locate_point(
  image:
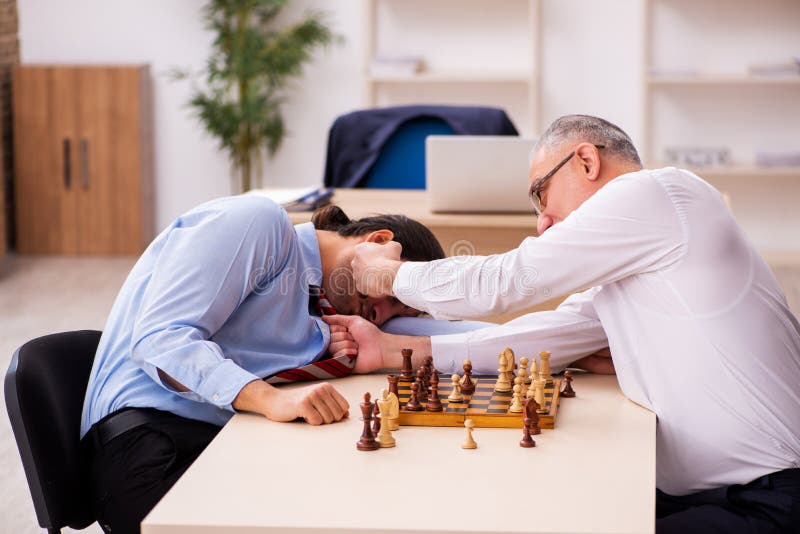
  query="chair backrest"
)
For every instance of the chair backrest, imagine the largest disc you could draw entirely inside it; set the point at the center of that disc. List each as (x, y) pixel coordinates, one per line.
(44, 390)
(401, 162)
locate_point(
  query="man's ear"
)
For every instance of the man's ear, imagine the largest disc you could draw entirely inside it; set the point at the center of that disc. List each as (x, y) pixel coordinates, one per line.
(379, 236)
(589, 159)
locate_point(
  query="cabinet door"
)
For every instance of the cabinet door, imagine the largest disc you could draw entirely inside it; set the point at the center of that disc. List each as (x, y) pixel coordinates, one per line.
(45, 127)
(110, 161)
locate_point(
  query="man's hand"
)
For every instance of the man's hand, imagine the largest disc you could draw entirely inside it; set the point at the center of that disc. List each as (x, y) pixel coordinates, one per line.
(599, 363)
(342, 342)
(367, 338)
(375, 267)
(318, 403)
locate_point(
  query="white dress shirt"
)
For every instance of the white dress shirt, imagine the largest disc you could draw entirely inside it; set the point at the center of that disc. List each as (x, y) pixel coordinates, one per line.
(698, 327)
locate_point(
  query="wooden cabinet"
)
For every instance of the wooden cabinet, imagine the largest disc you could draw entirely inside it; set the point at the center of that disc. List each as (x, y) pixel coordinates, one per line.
(83, 159)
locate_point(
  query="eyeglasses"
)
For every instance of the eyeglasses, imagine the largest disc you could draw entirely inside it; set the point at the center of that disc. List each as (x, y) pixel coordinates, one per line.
(538, 185)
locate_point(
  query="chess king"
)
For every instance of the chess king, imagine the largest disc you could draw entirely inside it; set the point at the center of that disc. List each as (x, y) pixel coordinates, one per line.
(229, 294)
(691, 314)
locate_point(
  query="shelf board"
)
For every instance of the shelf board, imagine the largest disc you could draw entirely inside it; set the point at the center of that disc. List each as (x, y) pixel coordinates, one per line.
(454, 77)
(721, 79)
(737, 170)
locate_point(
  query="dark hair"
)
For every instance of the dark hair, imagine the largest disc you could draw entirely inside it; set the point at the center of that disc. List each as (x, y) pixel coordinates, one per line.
(419, 243)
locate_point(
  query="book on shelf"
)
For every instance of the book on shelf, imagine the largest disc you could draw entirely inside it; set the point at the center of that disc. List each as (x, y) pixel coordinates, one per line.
(782, 68)
(778, 158)
(395, 65)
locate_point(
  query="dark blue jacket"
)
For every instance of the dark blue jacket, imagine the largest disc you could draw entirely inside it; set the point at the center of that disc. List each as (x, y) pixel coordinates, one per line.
(356, 139)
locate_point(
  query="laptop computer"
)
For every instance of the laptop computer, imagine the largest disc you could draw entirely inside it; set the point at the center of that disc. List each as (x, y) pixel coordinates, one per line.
(467, 173)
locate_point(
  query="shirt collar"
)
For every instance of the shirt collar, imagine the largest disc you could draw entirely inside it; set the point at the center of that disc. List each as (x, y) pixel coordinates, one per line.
(309, 253)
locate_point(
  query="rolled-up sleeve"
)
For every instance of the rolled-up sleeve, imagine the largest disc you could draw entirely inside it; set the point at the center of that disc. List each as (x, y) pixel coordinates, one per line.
(210, 262)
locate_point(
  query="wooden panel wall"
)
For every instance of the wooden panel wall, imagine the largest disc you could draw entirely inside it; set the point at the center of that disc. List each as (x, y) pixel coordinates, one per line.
(9, 56)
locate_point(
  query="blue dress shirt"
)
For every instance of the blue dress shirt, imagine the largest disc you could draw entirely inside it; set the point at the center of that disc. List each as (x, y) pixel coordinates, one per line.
(218, 299)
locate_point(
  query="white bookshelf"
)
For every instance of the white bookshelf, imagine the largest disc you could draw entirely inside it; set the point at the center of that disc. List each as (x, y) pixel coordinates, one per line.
(475, 52)
(698, 92)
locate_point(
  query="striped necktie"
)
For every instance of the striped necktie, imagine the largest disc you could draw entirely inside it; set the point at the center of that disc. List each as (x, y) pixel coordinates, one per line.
(322, 369)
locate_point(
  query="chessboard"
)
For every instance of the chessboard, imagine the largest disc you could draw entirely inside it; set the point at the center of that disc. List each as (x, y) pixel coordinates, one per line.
(486, 407)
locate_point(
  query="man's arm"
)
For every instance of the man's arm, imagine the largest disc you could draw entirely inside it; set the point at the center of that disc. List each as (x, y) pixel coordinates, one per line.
(208, 265)
(572, 333)
(628, 227)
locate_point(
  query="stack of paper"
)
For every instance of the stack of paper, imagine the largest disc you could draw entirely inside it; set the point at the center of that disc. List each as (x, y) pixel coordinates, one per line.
(297, 198)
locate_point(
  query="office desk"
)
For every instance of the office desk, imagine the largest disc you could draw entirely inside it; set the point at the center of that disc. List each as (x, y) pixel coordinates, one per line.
(594, 473)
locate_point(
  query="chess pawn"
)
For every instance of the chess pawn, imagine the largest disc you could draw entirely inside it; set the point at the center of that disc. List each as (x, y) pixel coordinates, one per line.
(538, 395)
(545, 372)
(467, 385)
(531, 388)
(502, 385)
(455, 395)
(469, 443)
(523, 370)
(385, 438)
(527, 440)
(393, 416)
(413, 404)
(367, 441)
(568, 392)
(516, 404)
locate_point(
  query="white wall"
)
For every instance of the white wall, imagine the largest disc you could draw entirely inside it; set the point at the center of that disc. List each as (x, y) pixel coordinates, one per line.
(591, 62)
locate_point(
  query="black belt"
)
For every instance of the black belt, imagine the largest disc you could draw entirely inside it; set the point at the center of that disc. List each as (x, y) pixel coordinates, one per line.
(119, 422)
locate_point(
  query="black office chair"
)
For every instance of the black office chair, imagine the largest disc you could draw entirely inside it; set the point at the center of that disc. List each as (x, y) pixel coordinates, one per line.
(44, 388)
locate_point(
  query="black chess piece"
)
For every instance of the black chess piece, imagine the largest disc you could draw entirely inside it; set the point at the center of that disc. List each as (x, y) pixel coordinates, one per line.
(527, 440)
(434, 403)
(413, 404)
(367, 441)
(467, 385)
(407, 371)
(568, 392)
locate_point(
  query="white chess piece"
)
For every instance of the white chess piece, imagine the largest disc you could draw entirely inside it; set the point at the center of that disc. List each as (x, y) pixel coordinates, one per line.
(469, 443)
(455, 394)
(385, 437)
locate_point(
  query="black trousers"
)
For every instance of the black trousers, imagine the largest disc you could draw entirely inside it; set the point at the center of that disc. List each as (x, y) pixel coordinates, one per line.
(767, 505)
(128, 475)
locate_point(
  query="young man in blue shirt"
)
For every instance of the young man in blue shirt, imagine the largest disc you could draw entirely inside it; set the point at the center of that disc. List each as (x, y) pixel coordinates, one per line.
(222, 299)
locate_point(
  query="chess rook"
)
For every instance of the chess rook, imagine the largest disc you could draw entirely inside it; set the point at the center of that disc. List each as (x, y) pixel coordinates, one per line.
(407, 371)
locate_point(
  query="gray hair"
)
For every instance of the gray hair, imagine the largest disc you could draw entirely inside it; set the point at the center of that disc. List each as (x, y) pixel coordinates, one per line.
(588, 129)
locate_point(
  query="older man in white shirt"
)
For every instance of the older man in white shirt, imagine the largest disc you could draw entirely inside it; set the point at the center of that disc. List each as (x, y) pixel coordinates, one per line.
(698, 327)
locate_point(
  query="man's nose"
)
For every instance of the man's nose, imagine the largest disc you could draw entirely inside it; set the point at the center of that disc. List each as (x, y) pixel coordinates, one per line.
(543, 223)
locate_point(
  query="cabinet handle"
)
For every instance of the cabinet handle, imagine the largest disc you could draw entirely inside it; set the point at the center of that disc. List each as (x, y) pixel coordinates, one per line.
(85, 163)
(66, 165)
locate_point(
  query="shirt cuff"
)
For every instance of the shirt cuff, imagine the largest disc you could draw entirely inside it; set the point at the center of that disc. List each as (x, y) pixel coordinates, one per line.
(224, 383)
(443, 349)
(406, 284)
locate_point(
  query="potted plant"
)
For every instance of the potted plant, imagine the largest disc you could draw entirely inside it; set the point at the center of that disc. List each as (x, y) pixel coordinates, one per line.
(246, 76)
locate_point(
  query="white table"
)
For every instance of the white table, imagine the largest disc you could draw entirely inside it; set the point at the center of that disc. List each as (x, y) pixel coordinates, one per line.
(594, 473)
